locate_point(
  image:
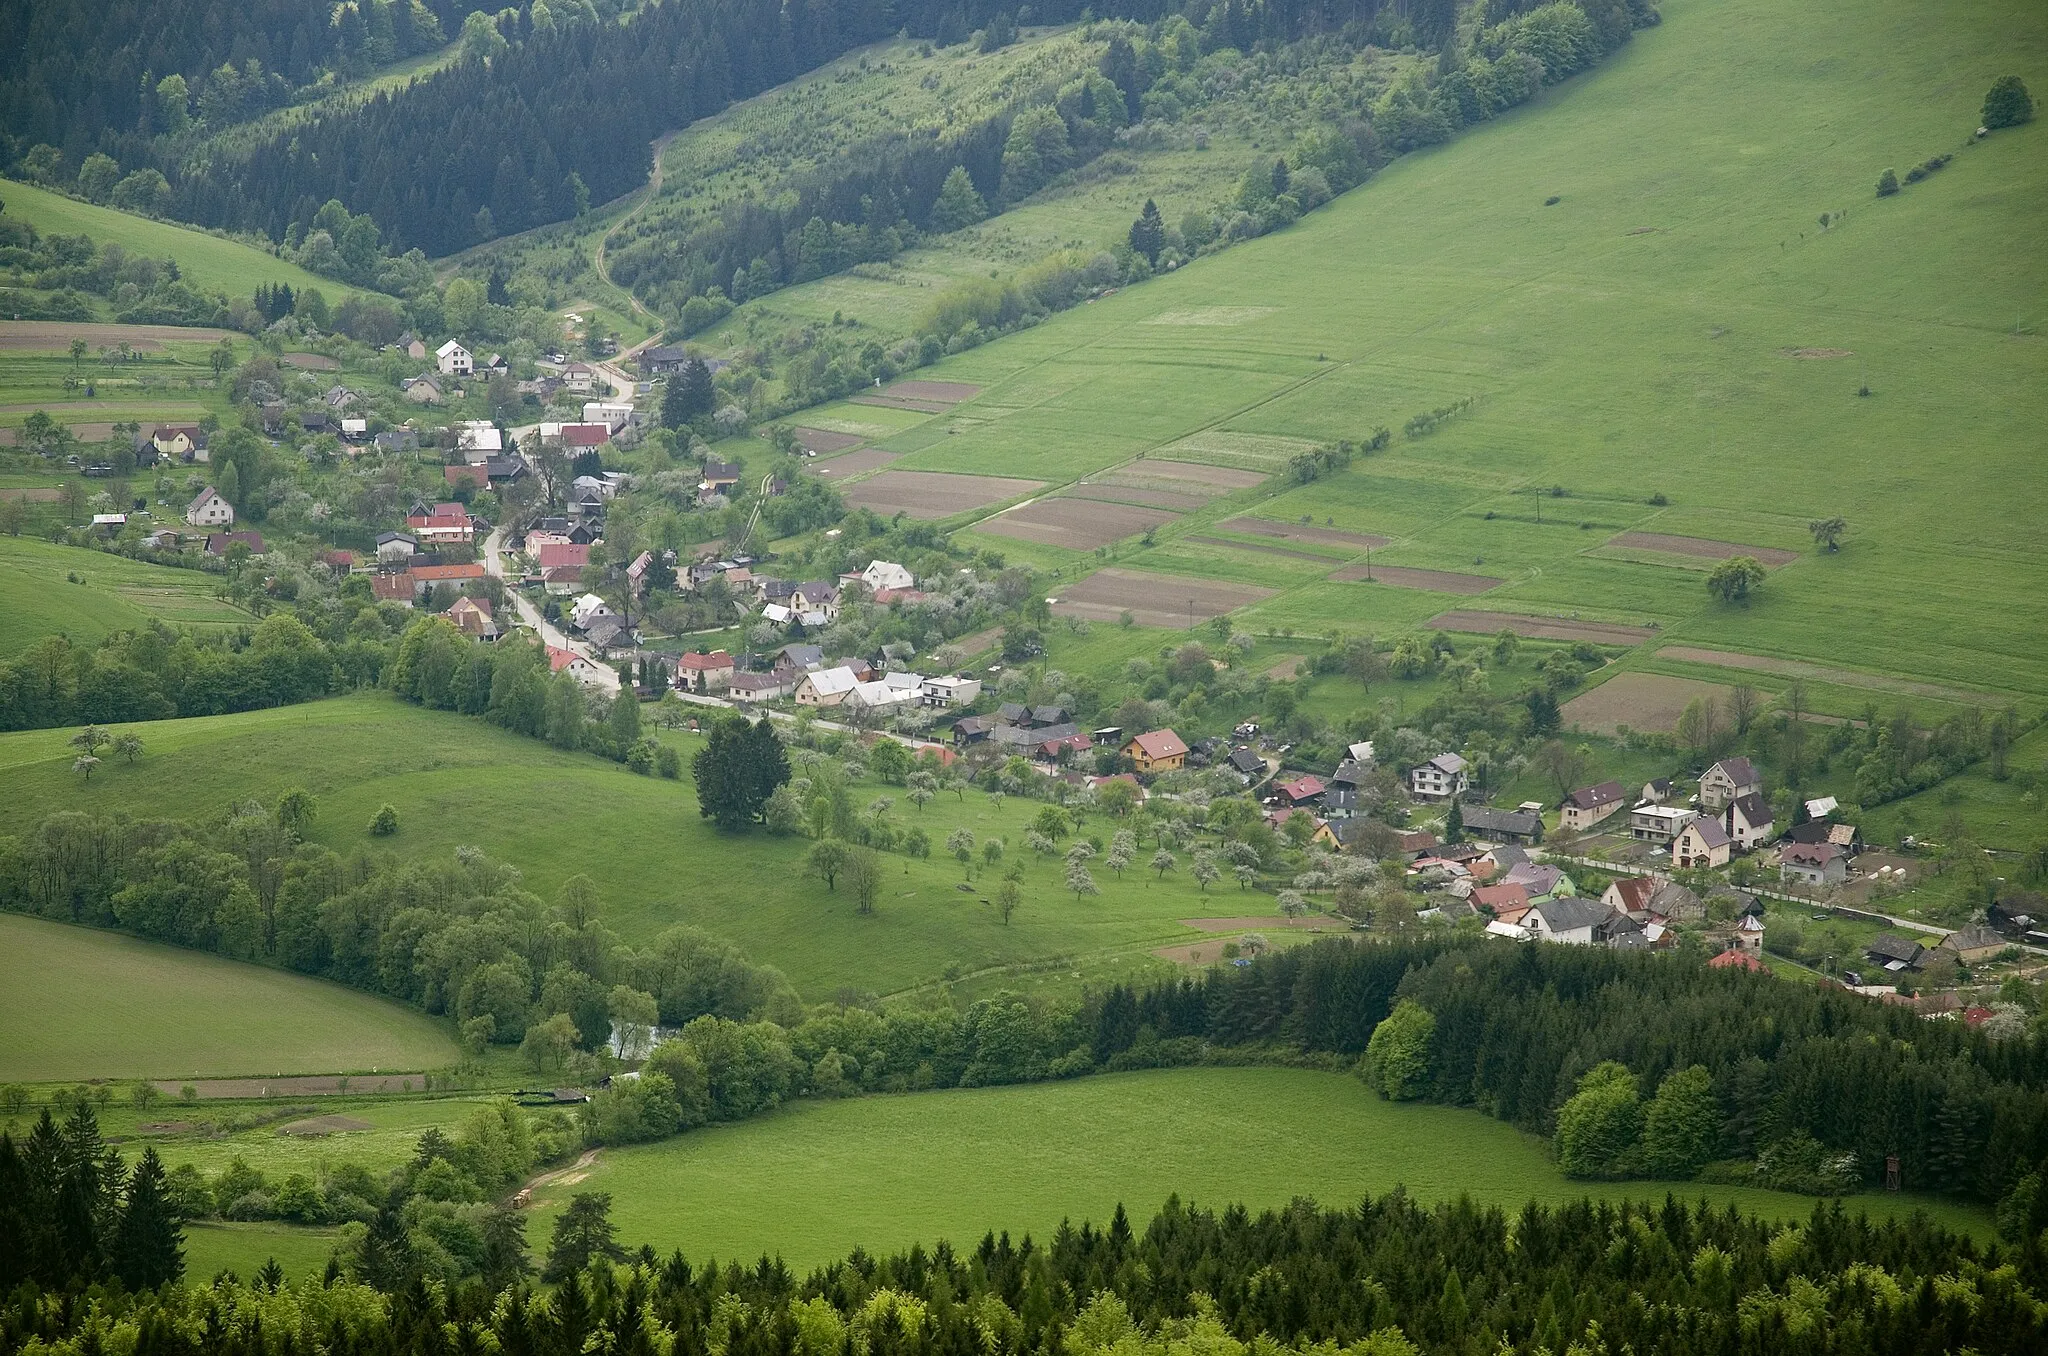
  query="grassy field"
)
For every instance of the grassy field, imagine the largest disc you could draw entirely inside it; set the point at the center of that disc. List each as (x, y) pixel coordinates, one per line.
(1662, 331)
(78, 1003)
(813, 1181)
(37, 599)
(206, 261)
(457, 781)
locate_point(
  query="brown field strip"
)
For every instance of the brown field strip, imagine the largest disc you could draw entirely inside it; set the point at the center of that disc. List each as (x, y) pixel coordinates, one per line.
(901, 403)
(1435, 581)
(1077, 524)
(1702, 547)
(941, 392)
(56, 335)
(854, 463)
(1128, 494)
(933, 494)
(1822, 673)
(1225, 477)
(1166, 600)
(1651, 702)
(1321, 536)
(1539, 628)
(824, 442)
(311, 362)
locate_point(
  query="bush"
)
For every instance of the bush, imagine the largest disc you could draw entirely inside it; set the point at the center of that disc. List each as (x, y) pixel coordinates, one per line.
(385, 822)
(2007, 104)
(1396, 1060)
(1887, 183)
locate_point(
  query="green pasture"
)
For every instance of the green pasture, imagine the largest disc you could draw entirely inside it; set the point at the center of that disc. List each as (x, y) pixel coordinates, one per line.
(214, 1246)
(1663, 330)
(118, 594)
(816, 1179)
(391, 1128)
(459, 782)
(81, 1003)
(208, 262)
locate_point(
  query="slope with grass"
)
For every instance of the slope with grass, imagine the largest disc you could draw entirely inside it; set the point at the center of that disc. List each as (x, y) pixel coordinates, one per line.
(814, 1180)
(79, 1003)
(1660, 331)
(459, 782)
(209, 262)
(48, 590)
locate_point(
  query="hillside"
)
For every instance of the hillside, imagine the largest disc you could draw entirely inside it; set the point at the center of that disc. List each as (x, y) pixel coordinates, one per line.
(208, 262)
(78, 1003)
(1674, 346)
(61, 590)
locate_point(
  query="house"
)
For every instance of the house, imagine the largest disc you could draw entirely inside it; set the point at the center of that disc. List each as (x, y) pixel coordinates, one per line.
(500, 469)
(442, 525)
(217, 543)
(1972, 944)
(392, 587)
(609, 633)
(1156, 751)
(1655, 791)
(825, 687)
(583, 670)
(1321, 834)
(1565, 920)
(1702, 842)
(1748, 821)
(588, 609)
(425, 577)
(395, 546)
(973, 730)
(1630, 895)
(1844, 836)
(314, 421)
(579, 377)
(563, 555)
(1589, 805)
(1819, 865)
(355, 430)
(891, 692)
(422, 390)
(704, 672)
(886, 574)
(949, 690)
(178, 441)
(409, 344)
(1738, 960)
(795, 660)
(479, 440)
(1894, 953)
(454, 360)
(397, 440)
(1441, 778)
(1503, 826)
(1413, 843)
(1300, 792)
(818, 597)
(1360, 753)
(1727, 780)
(1247, 764)
(665, 360)
(210, 509)
(757, 687)
(1680, 905)
(636, 573)
(575, 438)
(472, 476)
(472, 617)
(719, 477)
(1541, 880)
(338, 398)
(1659, 824)
(613, 414)
(1498, 899)
(1747, 934)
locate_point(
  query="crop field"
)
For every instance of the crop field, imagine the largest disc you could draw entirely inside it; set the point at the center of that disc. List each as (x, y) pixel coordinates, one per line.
(39, 598)
(1640, 360)
(1650, 702)
(818, 1178)
(459, 782)
(208, 262)
(928, 494)
(1153, 599)
(1076, 524)
(80, 1003)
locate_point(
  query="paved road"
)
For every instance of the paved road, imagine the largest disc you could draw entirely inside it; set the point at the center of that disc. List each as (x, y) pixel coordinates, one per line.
(494, 563)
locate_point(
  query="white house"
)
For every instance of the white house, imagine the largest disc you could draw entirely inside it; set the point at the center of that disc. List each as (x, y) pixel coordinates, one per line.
(579, 377)
(480, 440)
(950, 690)
(1589, 805)
(588, 609)
(1441, 778)
(1565, 919)
(886, 574)
(1748, 820)
(1815, 864)
(1659, 824)
(826, 687)
(888, 693)
(454, 360)
(1727, 781)
(1703, 842)
(613, 414)
(396, 545)
(210, 509)
(576, 666)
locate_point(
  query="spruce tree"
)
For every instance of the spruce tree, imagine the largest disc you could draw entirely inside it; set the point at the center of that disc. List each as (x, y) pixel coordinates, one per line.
(15, 1220)
(149, 1244)
(1148, 233)
(698, 396)
(583, 1231)
(1454, 823)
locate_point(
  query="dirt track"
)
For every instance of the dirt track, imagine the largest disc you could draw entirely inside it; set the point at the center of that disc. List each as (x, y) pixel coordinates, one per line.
(1540, 628)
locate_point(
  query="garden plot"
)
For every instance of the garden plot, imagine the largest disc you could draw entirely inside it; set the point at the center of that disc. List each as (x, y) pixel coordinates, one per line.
(1167, 600)
(854, 463)
(1650, 702)
(823, 442)
(933, 494)
(1218, 479)
(1319, 536)
(1538, 628)
(1077, 524)
(1701, 547)
(1263, 452)
(1127, 494)
(1265, 547)
(1406, 577)
(55, 336)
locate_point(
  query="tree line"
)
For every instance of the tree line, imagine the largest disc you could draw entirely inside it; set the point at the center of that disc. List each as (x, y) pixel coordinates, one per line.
(1388, 1276)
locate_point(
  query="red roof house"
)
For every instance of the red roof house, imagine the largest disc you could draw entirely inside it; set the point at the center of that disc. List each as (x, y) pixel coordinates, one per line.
(1737, 960)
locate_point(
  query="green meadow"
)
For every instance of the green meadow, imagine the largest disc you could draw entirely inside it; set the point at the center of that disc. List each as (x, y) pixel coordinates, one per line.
(209, 262)
(48, 590)
(459, 782)
(1677, 345)
(82, 1003)
(816, 1179)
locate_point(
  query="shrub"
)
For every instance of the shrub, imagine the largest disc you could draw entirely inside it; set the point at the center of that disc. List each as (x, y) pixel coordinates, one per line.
(385, 822)
(1887, 183)
(1396, 1060)
(2007, 104)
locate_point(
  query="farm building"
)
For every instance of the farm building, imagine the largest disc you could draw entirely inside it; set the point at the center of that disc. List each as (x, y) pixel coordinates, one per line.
(1972, 944)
